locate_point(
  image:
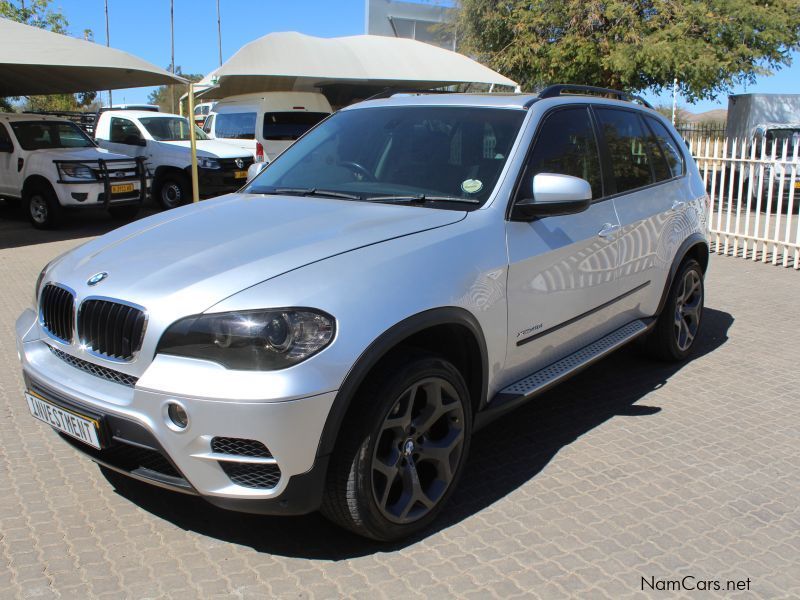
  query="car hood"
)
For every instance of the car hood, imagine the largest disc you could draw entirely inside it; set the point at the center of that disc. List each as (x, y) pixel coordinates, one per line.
(80, 153)
(209, 148)
(186, 260)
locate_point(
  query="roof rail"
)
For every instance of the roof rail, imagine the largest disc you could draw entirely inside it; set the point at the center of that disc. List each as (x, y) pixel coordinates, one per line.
(561, 89)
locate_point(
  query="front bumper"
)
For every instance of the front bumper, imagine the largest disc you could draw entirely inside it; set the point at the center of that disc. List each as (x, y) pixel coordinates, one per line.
(216, 182)
(92, 195)
(141, 442)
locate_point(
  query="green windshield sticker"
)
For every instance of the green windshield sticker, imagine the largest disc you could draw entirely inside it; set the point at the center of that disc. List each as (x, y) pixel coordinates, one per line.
(472, 186)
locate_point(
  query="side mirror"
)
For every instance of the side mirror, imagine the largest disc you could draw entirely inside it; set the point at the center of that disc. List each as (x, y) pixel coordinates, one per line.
(553, 194)
(6, 146)
(255, 169)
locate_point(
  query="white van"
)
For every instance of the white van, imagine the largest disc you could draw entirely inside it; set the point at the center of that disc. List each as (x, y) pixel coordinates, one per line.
(266, 123)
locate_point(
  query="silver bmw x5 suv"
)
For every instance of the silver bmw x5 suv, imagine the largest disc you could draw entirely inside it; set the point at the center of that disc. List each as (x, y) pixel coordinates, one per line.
(331, 336)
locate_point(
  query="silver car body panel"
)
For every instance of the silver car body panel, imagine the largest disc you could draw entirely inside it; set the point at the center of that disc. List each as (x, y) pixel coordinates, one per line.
(370, 266)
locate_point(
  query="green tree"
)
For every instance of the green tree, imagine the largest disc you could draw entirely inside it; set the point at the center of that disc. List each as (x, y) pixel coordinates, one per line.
(38, 13)
(167, 97)
(708, 45)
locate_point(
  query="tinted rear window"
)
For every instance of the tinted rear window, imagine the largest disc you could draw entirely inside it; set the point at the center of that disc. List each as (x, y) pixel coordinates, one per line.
(238, 126)
(626, 143)
(289, 125)
(668, 145)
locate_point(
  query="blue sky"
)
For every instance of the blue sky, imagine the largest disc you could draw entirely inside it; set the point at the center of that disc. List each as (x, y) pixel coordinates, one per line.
(141, 27)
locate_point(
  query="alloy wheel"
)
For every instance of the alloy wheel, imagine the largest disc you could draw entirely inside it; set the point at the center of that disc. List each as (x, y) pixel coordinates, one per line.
(418, 450)
(38, 208)
(688, 309)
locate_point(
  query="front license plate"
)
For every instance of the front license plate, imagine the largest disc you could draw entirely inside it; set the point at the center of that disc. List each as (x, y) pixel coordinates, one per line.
(73, 424)
(797, 185)
(122, 188)
(240, 174)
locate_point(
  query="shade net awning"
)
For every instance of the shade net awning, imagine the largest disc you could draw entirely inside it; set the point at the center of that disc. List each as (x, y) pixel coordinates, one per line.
(294, 61)
(34, 61)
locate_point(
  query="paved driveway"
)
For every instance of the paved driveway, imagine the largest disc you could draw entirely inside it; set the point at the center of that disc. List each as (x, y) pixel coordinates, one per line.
(632, 470)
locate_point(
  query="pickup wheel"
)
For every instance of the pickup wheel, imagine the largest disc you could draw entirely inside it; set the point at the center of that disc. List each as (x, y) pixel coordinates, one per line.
(124, 213)
(678, 325)
(172, 189)
(401, 453)
(42, 206)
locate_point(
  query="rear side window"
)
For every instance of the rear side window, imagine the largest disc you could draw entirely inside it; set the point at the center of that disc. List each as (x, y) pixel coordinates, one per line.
(668, 146)
(289, 125)
(237, 126)
(626, 143)
(566, 145)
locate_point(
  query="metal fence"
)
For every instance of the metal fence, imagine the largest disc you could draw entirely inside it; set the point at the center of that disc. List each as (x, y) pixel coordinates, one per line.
(701, 130)
(754, 192)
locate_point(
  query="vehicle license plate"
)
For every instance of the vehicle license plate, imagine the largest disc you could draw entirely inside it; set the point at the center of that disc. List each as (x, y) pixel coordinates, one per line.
(122, 188)
(797, 185)
(73, 424)
(240, 174)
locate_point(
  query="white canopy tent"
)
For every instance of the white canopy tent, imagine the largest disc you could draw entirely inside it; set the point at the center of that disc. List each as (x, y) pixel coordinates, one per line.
(294, 61)
(34, 61)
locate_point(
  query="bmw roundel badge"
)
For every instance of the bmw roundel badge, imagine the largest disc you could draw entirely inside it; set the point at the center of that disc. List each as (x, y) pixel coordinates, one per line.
(97, 278)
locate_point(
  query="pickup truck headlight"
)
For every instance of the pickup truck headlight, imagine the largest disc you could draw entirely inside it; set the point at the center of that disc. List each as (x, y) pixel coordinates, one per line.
(208, 163)
(253, 340)
(76, 171)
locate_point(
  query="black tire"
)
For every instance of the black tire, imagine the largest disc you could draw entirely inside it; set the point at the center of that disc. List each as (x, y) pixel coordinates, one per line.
(172, 190)
(676, 330)
(41, 206)
(428, 460)
(124, 213)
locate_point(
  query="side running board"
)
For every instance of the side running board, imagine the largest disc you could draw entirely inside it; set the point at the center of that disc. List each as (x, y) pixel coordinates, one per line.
(542, 380)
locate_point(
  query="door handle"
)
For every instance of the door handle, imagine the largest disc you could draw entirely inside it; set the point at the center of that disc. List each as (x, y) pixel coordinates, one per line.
(608, 230)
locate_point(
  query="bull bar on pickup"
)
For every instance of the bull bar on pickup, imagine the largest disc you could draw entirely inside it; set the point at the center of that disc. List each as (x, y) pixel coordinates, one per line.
(102, 174)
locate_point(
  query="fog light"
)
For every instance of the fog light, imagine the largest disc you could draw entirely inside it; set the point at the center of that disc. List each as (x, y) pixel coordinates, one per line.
(80, 196)
(178, 415)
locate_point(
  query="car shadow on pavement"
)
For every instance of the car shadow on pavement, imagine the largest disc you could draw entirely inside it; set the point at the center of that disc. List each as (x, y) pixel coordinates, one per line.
(16, 230)
(503, 457)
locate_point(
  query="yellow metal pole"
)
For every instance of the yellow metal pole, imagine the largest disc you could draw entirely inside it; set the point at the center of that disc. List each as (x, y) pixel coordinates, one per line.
(193, 142)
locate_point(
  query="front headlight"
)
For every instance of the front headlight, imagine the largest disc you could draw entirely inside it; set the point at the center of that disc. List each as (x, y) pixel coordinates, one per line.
(253, 340)
(207, 163)
(76, 171)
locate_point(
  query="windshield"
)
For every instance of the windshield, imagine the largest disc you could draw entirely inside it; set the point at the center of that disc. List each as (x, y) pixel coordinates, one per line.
(455, 153)
(171, 129)
(40, 135)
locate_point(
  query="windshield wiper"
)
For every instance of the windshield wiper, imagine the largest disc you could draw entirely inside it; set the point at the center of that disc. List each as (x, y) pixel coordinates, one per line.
(315, 192)
(422, 198)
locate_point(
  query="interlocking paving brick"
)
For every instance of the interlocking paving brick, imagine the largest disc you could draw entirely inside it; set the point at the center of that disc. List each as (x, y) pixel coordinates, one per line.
(633, 469)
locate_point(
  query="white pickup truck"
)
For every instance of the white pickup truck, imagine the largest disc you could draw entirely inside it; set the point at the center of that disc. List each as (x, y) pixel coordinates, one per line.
(50, 165)
(162, 140)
